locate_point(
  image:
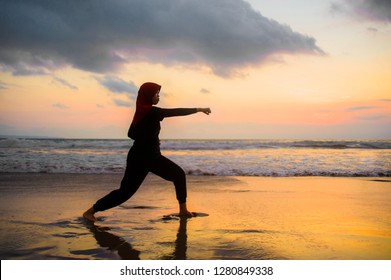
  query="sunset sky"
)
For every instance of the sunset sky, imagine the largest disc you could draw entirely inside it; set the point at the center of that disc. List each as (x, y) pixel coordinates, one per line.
(305, 69)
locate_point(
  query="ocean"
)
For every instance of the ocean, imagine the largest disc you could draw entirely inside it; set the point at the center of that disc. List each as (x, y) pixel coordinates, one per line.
(275, 158)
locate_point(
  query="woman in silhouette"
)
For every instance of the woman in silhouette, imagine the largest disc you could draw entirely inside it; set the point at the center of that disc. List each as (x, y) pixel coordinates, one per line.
(145, 156)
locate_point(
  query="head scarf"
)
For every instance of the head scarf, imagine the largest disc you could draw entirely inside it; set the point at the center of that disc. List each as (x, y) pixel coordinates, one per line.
(145, 100)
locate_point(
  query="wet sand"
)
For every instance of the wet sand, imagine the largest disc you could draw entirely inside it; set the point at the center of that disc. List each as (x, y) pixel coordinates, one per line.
(300, 218)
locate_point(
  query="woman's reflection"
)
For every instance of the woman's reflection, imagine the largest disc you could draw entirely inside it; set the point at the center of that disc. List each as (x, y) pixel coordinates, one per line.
(180, 242)
(113, 242)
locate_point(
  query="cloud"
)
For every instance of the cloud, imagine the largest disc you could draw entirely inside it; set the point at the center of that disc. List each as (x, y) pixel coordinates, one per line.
(204, 90)
(101, 36)
(21, 68)
(371, 10)
(122, 103)
(372, 117)
(361, 108)
(60, 106)
(372, 30)
(118, 85)
(64, 83)
(3, 85)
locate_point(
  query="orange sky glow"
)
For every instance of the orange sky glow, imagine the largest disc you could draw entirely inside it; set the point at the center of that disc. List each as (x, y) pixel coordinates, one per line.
(333, 81)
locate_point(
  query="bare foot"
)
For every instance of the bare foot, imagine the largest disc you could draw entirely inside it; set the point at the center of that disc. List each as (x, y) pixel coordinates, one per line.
(89, 215)
(183, 212)
(186, 214)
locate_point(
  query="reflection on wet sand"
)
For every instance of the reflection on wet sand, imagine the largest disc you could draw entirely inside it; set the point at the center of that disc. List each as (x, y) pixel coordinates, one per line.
(113, 242)
(180, 242)
(110, 241)
(251, 218)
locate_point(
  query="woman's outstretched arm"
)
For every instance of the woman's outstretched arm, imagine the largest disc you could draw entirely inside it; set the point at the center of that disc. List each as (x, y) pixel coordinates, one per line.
(166, 113)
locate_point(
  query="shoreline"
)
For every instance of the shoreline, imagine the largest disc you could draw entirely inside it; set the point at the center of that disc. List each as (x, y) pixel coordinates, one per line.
(240, 217)
(192, 175)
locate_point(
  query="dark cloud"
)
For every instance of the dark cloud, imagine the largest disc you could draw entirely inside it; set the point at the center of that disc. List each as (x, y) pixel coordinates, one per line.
(100, 36)
(372, 10)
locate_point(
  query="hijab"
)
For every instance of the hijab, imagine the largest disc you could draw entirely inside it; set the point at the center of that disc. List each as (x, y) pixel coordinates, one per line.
(144, 100)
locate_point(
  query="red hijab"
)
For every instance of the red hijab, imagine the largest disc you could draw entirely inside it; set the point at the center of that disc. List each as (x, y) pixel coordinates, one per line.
(144, 100)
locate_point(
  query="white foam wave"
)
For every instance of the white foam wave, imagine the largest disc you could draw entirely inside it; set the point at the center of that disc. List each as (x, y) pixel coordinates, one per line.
(204, 157)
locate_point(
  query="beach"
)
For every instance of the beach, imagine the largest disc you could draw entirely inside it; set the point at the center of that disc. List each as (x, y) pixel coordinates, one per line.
(237, 217)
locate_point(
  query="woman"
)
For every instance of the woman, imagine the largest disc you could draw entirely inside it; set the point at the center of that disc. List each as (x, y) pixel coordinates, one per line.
(145, 156)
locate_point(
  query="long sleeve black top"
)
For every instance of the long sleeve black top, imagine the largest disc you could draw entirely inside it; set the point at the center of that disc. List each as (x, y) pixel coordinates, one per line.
(146, 133)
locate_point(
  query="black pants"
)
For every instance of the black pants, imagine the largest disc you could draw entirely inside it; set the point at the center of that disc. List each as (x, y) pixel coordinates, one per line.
(138, 165)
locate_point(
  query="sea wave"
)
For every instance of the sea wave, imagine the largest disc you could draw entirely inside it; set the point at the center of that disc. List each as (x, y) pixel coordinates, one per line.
(96, 144)
(197, 172)
(273, 144)
(277, 158)
(303, 173)
(194, 144)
